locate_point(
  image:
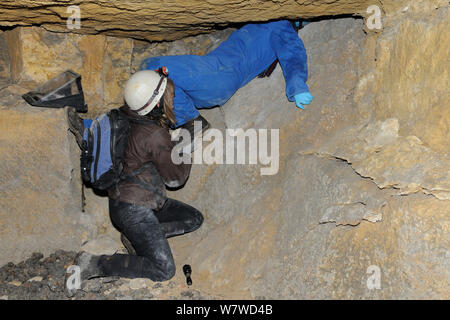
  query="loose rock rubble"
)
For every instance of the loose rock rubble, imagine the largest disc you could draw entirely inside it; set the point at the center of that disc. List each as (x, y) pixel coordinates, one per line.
(42, 278)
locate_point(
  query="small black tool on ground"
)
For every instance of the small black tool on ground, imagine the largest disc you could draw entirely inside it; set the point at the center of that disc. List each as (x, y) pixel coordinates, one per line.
(187, 272)
(59, 92)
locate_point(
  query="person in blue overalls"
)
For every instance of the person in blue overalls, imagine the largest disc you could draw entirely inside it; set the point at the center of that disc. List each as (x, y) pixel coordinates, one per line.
(210, 80)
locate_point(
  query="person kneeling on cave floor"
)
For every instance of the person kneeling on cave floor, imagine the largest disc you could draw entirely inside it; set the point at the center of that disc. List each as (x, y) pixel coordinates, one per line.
(139, 207)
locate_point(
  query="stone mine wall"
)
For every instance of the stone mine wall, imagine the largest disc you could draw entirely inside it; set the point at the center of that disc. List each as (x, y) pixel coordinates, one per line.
(105, 63)
(159, 20)
(359, 208)
(40, 180)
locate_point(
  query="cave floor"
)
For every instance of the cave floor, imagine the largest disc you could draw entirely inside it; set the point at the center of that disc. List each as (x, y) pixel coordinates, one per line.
(42, 278)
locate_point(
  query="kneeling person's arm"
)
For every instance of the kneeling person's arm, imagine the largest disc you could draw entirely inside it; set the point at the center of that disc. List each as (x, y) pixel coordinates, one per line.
(173, 175)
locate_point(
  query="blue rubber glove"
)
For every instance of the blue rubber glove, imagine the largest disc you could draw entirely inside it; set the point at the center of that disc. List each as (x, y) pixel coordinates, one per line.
(302, 99)
(304, 23)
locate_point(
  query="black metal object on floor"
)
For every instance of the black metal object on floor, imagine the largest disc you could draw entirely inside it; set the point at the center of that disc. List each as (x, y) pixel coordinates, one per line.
(187, 272)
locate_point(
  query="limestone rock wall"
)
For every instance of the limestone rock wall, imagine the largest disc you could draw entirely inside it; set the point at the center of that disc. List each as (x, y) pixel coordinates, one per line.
(36, 150)
(40, 190)
(364, 173)
(104, 62)
(169, 20)
(165, 20)
(363, 178)
(5, 70)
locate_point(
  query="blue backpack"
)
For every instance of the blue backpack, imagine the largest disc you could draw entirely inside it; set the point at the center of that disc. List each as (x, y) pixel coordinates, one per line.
(104, 143)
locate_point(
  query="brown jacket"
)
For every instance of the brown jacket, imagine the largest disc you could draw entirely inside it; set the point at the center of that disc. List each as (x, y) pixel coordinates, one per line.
(149, 143)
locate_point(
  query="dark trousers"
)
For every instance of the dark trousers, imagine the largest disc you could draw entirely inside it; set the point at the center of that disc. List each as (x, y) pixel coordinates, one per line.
(148, 230)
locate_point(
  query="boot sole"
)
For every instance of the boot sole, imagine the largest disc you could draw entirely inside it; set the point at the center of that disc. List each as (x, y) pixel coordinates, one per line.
(72, 118)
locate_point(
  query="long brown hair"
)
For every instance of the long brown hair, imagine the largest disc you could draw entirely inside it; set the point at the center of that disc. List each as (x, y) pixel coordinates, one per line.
(168, 101)
(165, 117)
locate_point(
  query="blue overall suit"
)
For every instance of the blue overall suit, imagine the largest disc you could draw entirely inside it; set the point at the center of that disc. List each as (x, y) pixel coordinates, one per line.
(210, 80)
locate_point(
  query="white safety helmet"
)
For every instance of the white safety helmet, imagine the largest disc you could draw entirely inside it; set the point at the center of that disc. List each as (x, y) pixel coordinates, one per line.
(144, 89)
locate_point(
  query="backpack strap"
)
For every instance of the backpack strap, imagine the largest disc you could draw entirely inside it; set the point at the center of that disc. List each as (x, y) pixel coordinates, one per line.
(137, 171)
(141, 121)
(97, 155)
(136, 119)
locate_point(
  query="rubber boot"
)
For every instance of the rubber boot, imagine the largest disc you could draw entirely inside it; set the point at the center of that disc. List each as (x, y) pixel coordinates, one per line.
(76, 125)
(88, 265)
